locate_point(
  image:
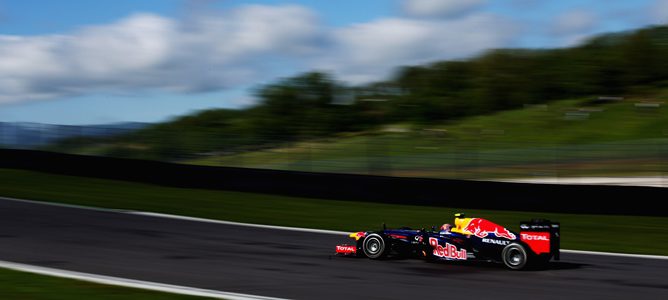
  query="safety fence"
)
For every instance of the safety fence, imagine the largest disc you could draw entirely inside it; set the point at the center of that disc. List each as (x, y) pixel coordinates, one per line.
(430, 153)
(465, 194)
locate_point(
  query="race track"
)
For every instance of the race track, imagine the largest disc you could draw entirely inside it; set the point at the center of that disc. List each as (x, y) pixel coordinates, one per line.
(290, 264)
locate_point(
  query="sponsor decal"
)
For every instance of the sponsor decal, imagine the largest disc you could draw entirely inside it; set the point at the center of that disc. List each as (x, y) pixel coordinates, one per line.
(482, 228)
(497, 242)
(535, 237)
(539, 242)
(357, 235)
(346, 249)
(398, 236)
(447, 251)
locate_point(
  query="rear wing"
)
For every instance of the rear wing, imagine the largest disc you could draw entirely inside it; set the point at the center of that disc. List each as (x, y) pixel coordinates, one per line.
(542, 236)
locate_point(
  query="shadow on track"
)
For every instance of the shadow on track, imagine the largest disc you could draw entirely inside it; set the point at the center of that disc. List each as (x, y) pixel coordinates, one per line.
(472, 265)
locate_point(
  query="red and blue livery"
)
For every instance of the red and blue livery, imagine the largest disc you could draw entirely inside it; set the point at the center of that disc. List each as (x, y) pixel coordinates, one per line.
(469, 239)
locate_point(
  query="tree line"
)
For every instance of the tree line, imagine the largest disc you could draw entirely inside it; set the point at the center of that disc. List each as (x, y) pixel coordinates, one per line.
(315, 104)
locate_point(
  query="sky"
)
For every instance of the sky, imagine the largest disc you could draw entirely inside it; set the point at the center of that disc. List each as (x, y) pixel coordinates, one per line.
(109, 61)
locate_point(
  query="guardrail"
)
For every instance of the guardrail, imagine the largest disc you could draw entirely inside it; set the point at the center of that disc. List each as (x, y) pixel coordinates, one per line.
(465, 194)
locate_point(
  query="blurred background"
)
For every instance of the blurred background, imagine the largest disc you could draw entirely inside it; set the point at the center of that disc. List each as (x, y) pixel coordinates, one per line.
(505, 90)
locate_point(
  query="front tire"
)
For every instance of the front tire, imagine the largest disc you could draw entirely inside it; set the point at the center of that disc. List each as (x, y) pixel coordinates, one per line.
(514, 256)
(374, 246)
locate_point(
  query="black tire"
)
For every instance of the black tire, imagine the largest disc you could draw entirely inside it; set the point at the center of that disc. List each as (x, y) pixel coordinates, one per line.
(514, 256)
(374, 246)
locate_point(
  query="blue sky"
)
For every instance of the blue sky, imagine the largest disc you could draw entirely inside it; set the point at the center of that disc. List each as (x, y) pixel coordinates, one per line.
(103, 61)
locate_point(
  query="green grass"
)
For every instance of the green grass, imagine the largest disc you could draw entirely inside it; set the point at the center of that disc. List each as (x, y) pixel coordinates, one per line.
(631, 234)
(28, 286)
(545, 140)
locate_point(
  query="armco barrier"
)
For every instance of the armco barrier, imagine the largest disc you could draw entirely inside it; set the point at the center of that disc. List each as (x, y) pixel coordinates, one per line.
(590, 199)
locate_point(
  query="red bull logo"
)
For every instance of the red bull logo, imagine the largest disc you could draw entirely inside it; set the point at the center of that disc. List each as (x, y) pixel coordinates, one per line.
(482, 228)
(357, 235)
(447, 251)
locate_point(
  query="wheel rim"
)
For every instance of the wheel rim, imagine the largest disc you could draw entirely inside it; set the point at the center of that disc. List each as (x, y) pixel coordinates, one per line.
(515, 257)
(373, 246)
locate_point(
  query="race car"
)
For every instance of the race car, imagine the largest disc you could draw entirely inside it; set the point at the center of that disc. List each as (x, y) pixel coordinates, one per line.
(469, 239)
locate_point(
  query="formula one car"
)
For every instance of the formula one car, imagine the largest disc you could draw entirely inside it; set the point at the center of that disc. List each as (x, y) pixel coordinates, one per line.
(469, 239)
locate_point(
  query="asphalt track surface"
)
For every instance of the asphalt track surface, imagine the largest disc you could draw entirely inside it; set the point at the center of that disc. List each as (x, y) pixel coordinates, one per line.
(290, 264)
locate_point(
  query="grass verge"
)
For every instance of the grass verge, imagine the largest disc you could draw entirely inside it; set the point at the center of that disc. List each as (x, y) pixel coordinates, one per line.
(543, 140)
(629, 234)
(28, 286)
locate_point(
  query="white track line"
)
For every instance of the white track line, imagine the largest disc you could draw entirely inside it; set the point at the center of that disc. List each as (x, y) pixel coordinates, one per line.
(64, 205)
(615, 254)
(310, 230)
(131, 283)
(202, 220)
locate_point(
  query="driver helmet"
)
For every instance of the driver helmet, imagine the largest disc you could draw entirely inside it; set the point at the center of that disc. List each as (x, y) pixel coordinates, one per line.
(446, 227)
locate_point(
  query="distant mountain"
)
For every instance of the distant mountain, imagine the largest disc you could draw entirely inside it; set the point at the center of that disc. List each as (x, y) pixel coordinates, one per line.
(30, 135)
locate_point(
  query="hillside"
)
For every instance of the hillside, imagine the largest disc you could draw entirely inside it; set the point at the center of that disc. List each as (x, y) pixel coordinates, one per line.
(564, 138)
(525, 108)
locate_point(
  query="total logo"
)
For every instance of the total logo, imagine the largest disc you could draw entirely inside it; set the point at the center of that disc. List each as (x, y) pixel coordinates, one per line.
(531, 237)
(346, 249)
(447, 251)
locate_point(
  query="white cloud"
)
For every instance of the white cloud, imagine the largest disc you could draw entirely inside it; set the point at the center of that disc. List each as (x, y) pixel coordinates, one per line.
(573, 27)
(146, 51)
(213, 50)
(660, 11)
(574, 22)
(440, 8)
(369, 51)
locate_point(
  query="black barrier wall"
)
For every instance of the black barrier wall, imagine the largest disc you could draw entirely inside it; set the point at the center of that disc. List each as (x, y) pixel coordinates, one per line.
(624, 200)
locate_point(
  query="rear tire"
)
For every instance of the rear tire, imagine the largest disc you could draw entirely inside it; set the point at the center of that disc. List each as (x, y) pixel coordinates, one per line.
(514, 256)
(374, 246)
